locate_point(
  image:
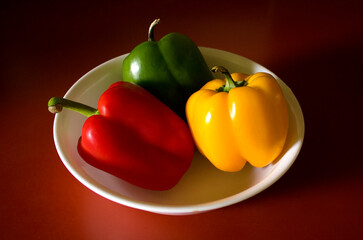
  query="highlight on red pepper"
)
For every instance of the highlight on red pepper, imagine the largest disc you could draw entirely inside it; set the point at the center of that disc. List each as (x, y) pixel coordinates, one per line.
(134, 136)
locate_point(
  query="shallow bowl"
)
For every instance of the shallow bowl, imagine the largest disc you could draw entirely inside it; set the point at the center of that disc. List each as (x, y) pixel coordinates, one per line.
(203, 187)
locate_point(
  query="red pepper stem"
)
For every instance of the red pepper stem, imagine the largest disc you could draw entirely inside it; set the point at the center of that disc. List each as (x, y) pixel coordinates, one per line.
(56, 105)
(151, 30)
(230, 83)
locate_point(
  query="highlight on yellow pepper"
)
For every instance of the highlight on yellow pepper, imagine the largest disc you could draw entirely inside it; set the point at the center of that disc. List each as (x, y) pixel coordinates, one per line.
(240, 119)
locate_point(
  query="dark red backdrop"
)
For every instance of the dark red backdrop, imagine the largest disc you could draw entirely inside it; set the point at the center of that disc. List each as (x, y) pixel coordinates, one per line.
(314, 46)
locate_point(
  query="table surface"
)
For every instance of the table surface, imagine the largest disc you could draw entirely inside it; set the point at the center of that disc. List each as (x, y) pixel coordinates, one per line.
(315, 48)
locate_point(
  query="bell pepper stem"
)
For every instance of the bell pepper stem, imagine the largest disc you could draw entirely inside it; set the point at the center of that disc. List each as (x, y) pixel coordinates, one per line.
(151, 30)
(230, 83)
(56, 105)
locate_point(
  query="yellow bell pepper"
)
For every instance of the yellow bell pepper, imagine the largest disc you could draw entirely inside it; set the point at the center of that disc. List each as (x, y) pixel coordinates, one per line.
(243, 118)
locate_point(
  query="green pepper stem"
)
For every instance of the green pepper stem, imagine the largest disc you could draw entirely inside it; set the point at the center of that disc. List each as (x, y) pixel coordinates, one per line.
(229, 81)
(56, 105)
(151, 30)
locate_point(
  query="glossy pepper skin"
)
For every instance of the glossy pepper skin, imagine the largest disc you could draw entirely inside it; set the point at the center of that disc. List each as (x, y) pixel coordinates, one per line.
(171, 69)
(135, 137)
(246, 122)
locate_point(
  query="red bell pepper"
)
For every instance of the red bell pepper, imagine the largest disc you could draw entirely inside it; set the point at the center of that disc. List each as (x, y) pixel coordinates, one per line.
(133, 136)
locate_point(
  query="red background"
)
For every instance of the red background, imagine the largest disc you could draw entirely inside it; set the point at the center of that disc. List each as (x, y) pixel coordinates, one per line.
(315, 47)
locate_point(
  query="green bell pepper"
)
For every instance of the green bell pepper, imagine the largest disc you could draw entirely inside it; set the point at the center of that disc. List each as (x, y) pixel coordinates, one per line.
(171, 69)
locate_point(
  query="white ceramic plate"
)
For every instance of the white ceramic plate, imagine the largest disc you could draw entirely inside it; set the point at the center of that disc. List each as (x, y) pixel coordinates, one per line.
(203, 187)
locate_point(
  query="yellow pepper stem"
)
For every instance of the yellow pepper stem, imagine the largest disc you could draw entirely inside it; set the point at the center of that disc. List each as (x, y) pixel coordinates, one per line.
(230, 83)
